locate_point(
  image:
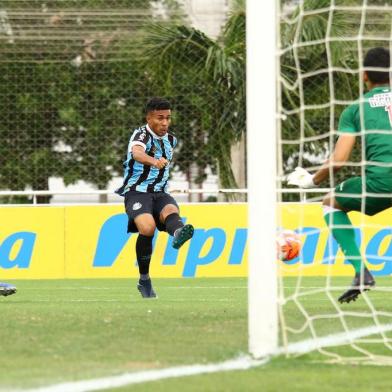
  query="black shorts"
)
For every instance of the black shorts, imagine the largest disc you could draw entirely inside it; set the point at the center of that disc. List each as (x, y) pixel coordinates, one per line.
(137, 203)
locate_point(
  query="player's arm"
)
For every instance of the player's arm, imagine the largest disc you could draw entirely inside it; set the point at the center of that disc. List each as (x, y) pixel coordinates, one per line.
(342, 151)
(139, 154)
(339, 157)
(348, 130)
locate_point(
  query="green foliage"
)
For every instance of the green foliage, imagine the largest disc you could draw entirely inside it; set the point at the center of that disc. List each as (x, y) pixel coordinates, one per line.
(211, 106)
(75, 4)
(73, 88)
(76, 83)
(96, 121)
(319, 77)
(28, 129)
(172, 53)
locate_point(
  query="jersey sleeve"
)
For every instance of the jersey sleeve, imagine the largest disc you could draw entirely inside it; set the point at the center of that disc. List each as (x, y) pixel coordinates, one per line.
(347, 121)
(139, 138)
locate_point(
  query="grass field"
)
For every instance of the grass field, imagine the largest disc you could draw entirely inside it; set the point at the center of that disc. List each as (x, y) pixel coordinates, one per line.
(56, 331)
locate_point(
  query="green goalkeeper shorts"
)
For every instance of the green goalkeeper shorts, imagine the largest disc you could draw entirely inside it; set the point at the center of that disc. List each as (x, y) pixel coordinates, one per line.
(349, 195)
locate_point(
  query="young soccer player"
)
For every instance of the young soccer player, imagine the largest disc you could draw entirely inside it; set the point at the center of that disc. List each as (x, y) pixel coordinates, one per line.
(371, 117)
(146, 175)
(7, 289)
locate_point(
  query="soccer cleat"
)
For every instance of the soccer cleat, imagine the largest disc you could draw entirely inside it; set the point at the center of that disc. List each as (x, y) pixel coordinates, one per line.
(182, 235)
(358, 286)
(7, 289)
(145, 288)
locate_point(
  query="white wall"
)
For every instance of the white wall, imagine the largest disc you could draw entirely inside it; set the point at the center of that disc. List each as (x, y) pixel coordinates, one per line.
(207, 15)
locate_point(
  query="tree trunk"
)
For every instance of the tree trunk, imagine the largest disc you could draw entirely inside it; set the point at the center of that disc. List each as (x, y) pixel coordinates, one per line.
(103, 198)
(193, 171)
(238, 159)
(189, 179)
(42, 184)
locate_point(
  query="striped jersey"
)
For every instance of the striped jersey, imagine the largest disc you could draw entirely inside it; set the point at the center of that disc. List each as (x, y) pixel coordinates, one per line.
(145, 178)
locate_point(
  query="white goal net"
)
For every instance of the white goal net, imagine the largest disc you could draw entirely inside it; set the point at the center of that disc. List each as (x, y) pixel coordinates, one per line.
(321, 46)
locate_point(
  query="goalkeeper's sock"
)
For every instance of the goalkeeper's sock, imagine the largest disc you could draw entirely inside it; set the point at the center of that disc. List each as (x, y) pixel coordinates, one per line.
(143, 253)
(345, 236)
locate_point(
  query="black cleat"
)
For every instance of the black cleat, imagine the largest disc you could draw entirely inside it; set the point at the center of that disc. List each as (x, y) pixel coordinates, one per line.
(7, 289)
(145, 288)
(182, 235)
(358, 285)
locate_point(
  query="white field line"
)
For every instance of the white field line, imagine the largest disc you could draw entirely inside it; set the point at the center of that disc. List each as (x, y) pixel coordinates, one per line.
(124, 300)
(339, 339)
(117, 288)
(242, 363)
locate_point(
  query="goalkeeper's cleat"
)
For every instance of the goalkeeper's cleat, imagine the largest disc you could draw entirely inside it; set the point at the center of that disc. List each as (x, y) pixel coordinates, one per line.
(358, 285)
(145, 288)
(182, 235)
(7, 289)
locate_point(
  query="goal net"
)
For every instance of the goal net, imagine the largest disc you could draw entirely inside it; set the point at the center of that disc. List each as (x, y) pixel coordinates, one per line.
(321, 45)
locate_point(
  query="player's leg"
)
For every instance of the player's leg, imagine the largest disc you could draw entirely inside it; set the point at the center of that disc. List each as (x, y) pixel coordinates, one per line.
(169, 215)
(342, 230)
(146, 227)
(139, 210)
(7, 289)
(348, 198)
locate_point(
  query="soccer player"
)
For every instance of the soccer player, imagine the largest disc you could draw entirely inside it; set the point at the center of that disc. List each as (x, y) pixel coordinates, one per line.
(147, 202)
(371, 118)
(7, 289)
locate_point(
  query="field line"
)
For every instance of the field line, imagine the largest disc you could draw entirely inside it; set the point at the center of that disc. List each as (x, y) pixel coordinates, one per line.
(334, 340)
(241, 363)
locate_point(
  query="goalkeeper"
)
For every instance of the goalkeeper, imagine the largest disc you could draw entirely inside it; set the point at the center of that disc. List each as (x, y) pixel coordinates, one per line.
(371, 117)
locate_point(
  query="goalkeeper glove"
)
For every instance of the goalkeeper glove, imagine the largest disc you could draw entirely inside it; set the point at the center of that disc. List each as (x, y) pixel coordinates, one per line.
(301, 178)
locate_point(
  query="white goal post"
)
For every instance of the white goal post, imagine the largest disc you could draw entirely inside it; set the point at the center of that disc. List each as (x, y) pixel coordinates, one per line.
(261, 168)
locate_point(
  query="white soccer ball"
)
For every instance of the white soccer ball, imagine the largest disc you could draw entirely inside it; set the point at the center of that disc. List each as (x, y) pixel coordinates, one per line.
(288, 245)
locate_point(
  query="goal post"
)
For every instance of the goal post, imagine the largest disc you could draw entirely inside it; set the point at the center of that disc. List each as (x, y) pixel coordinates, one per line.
(261, 168)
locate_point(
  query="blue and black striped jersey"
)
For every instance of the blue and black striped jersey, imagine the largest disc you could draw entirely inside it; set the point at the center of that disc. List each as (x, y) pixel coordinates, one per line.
(145, 178)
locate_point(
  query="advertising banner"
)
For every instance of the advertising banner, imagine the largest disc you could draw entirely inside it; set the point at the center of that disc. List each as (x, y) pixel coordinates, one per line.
(92, 242)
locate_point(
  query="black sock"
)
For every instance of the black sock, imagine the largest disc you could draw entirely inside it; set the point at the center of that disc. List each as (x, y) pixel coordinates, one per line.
(143, 253)
(173, 222)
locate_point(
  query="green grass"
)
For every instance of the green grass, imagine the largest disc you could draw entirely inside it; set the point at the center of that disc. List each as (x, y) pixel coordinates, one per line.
(65, 330)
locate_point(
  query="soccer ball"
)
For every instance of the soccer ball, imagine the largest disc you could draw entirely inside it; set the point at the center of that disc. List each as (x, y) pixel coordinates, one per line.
(288, 245)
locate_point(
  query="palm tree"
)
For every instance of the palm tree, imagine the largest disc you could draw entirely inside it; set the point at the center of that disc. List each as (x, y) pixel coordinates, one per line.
(306, 76)
(206, 80)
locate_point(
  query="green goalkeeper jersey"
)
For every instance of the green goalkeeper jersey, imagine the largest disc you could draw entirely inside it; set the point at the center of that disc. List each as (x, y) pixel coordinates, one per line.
(376, 124)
